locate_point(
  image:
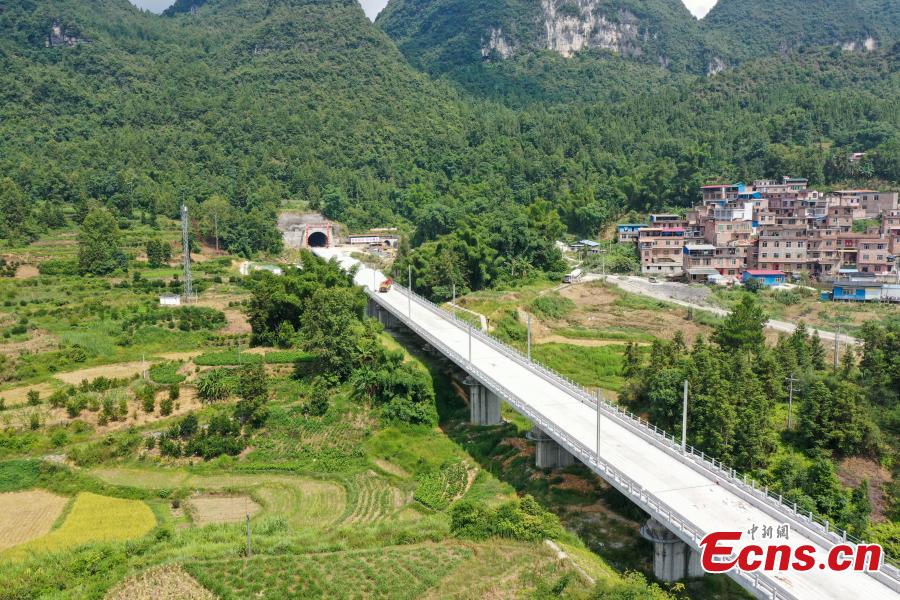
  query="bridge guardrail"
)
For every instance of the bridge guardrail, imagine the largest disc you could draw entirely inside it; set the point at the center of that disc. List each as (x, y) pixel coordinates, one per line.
(815, 526)
(676, 522)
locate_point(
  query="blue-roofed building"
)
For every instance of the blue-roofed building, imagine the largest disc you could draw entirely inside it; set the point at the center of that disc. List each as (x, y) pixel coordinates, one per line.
(766, 277)
(629, 232)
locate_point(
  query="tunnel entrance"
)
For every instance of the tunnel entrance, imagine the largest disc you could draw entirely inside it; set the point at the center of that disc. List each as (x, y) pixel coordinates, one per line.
(317, 239)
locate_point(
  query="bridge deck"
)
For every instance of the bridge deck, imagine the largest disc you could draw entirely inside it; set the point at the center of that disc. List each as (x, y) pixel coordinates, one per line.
(697, 496)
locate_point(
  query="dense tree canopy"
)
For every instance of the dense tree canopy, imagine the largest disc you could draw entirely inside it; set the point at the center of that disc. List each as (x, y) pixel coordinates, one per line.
(248, 104)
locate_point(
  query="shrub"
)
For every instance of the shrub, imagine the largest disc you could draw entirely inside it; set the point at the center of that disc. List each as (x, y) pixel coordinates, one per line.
(165, 407)
(59, 438)
(58, 399)
(317, 405)
(521, 519)
(34, 397)
(34, 420)
(147, 395)
(552, 306)
(58, 267)
(217, 384)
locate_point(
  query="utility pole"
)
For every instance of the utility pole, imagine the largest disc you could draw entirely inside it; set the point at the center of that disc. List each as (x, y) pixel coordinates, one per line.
(598, 426)
(837, 346)
(684, 418)
(186, 251)
(470, 342)
(790, 423)
(249, 546)
(453, 302)
(409, 293)
(529, 336)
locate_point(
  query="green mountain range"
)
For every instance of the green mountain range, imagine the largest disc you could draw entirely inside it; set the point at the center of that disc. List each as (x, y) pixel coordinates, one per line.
(441, 35)
(263, 102)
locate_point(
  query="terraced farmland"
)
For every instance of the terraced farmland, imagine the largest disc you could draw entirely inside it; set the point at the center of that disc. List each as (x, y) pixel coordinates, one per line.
(25, 516)
(207, 508)
(160, 583)
(93, 518)
(395, 572)
(371, 498)
(302, 501)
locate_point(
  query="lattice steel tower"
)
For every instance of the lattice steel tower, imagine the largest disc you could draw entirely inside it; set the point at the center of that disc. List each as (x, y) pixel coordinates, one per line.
(186, 250)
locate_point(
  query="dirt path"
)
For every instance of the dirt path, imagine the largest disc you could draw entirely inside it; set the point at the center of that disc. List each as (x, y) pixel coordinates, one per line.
(587, 343)
(675, 293)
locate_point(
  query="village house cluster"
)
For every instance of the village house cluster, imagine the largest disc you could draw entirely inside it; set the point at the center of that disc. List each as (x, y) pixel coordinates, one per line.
(774, 231)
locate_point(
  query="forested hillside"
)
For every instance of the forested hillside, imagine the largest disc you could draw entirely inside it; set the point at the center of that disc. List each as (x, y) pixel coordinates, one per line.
(753, 28)
(442, 36)
(247, 104)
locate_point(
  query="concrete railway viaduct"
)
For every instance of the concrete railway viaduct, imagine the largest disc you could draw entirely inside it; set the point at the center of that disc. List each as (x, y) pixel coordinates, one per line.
(686, 493)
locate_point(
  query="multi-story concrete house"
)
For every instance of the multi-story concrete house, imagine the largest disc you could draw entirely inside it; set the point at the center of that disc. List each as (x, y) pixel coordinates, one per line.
(871, 203)
(782, 246)
(773, 226)
(873, 254)
(628, 232)
(661, 250)
(822, 250)
(667, 221)
(731, 259)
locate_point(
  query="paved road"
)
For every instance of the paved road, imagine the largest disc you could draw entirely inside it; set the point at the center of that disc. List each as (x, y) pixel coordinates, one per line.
(696, 495)
(698, 299)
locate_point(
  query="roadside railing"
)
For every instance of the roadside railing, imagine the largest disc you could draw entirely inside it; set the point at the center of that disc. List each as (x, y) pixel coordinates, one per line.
(761, 585)
(816, 527)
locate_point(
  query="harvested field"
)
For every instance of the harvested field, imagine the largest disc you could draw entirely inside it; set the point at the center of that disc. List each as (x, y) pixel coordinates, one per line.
(303, 502)
(93, 518)
(19, 395)
(27, 272)
(206, 509)
(169, 582)
(114, 371)
(179, 355)
(25, 516)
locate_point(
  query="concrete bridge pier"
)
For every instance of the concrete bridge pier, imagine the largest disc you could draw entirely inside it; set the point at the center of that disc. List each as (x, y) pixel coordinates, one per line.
(547, 453)
(673, 560)
(375, 311)
(484, 405)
